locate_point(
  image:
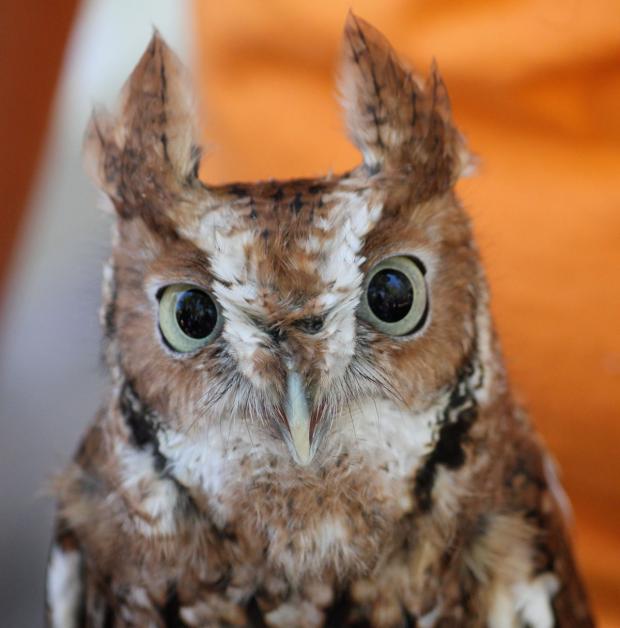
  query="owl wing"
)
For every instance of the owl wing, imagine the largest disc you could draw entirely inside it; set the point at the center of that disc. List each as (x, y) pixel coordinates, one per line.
(538, 494)
(570, 604)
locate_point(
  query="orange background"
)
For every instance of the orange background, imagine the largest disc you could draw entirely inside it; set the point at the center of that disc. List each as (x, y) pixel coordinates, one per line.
(31, 47)
(535, 85)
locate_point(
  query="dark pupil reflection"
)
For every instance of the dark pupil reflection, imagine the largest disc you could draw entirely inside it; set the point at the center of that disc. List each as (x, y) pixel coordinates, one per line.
(390, 295)
(196, 313)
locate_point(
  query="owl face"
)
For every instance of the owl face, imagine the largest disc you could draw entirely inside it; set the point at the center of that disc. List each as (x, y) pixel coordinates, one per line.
(282, 305)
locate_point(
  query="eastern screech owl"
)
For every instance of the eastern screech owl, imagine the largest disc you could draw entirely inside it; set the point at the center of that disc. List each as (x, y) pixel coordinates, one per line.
(308, 420)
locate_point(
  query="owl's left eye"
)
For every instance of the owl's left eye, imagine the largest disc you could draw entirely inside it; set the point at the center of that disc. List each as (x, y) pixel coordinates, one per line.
(395, 298)
(189, 317)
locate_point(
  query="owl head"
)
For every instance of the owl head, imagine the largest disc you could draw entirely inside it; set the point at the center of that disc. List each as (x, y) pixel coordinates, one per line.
(283, 303)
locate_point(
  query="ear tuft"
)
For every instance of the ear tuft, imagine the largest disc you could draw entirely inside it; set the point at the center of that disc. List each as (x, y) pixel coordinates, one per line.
(397, 122)
(102, 153)
(151, 143)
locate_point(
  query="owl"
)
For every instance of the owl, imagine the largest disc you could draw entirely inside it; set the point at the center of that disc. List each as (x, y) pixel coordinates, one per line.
(308, 421)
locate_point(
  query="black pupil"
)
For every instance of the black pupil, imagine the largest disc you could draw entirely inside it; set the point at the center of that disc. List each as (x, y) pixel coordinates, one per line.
(390, 295)
(196, 313)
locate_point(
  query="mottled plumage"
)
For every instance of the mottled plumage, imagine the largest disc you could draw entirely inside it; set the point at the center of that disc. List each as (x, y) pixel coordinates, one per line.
(286, 461)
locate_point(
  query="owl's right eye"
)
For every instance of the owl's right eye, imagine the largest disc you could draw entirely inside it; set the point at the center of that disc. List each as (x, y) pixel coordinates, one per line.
(189, 317)
(395, 298)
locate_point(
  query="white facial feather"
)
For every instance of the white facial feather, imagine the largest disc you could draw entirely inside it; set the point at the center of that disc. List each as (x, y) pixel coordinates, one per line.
(354, 215)
(227, 241)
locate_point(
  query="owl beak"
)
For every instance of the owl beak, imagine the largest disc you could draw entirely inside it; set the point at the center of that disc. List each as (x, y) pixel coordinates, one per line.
(298, 418)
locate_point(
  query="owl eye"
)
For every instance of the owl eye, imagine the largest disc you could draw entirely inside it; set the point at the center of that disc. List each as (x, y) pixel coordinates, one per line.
(189, 318)
(395, 297)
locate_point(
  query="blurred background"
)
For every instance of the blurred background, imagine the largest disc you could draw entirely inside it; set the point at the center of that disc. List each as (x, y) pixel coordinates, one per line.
(535, 86)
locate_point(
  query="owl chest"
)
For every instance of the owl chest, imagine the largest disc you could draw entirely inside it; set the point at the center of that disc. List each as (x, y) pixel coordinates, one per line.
(236, 526)
(245, 494)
